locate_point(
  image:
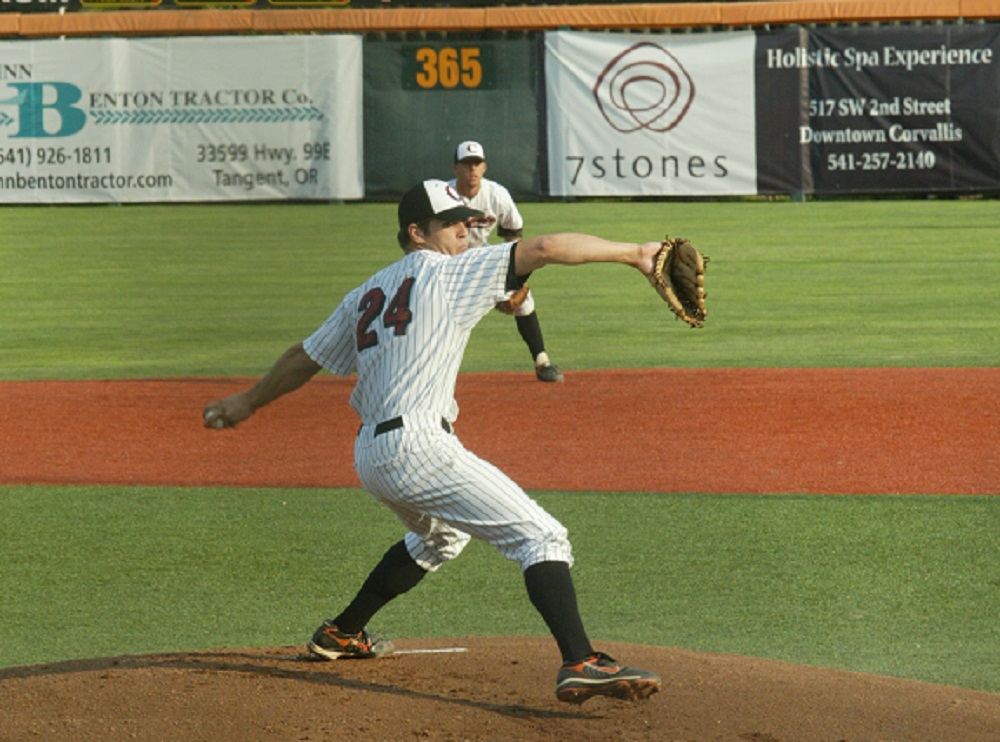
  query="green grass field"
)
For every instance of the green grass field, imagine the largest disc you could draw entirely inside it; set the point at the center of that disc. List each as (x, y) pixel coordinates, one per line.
(903, 586)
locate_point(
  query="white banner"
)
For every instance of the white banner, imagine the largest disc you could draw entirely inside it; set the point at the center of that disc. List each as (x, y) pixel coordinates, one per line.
(651, 114)
(181, 119)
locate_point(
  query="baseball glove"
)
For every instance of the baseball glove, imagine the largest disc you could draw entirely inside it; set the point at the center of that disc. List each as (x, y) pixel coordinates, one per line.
(515, 300)
(679, 278)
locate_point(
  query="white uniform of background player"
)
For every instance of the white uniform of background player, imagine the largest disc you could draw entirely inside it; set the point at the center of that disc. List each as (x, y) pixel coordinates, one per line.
(500, 213)
(404, 332)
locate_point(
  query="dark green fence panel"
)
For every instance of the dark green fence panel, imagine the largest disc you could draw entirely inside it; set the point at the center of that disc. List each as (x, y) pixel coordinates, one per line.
(422, 97)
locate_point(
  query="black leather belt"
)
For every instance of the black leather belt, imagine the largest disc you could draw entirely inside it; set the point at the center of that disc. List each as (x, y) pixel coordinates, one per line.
(397, 422)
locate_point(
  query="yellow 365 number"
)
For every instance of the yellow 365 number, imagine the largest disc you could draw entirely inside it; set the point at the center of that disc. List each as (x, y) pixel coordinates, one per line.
(450, 67)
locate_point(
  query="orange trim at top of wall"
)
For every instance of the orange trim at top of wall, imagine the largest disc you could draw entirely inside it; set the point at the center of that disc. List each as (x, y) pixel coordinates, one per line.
(529, 18)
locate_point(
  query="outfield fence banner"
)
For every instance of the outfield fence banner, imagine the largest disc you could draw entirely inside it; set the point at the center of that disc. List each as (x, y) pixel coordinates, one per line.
(798, 110)
(650, 114)
(873, 109)
(181, 119)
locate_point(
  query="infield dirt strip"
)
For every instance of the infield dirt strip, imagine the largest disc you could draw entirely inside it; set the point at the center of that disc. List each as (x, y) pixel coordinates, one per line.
(848, 431)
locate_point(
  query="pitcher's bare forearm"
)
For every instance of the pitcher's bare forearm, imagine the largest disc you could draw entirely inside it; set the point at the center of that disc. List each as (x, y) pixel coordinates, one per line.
(569, 248)
(293, 369)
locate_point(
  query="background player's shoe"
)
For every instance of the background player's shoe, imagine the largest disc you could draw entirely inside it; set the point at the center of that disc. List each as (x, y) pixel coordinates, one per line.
(329, 642)
(599, 675)
(548, 372)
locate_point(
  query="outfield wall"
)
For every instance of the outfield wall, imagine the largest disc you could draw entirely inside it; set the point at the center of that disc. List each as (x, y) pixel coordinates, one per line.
(102, 17)
(726, 111)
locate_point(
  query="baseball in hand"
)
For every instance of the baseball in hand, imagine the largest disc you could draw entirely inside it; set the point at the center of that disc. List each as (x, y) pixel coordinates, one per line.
(214, 419)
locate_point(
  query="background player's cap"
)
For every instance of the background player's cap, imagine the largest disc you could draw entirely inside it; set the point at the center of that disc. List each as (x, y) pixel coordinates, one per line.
(470, 151)
(433, 199)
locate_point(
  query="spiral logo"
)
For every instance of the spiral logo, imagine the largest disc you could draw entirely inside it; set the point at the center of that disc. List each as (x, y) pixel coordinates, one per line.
(644, 87)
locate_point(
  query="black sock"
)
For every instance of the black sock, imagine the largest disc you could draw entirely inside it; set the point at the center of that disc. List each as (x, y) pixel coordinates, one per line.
(551, 591)
(393, 575)
(531, 333)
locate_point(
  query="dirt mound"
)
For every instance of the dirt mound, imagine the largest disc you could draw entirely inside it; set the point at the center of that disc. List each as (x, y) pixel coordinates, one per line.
(496, 689)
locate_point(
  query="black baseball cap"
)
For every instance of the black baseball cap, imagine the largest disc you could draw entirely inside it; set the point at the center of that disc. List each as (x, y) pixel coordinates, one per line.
(433, 199)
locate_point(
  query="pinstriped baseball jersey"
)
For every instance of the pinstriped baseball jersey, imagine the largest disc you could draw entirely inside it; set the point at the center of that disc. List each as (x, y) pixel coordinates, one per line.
(498, 207)
(404, 331)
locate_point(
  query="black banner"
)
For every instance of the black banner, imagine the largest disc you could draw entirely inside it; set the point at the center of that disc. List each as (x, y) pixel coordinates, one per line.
(878, 109)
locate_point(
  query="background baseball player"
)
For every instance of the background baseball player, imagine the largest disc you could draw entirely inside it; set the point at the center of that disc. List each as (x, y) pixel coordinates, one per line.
(500, 211)
(404, 332)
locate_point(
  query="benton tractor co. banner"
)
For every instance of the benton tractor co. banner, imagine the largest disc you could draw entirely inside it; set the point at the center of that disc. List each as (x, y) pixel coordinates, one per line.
(180, 119)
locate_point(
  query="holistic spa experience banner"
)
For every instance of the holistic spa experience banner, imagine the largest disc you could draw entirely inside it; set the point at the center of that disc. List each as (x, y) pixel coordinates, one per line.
(181, 119)
(875, 109)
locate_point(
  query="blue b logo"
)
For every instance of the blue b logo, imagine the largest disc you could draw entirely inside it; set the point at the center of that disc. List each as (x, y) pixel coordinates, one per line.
(56, 117)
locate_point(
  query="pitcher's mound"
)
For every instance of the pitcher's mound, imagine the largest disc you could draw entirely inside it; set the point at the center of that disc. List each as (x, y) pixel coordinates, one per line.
(492, 688)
